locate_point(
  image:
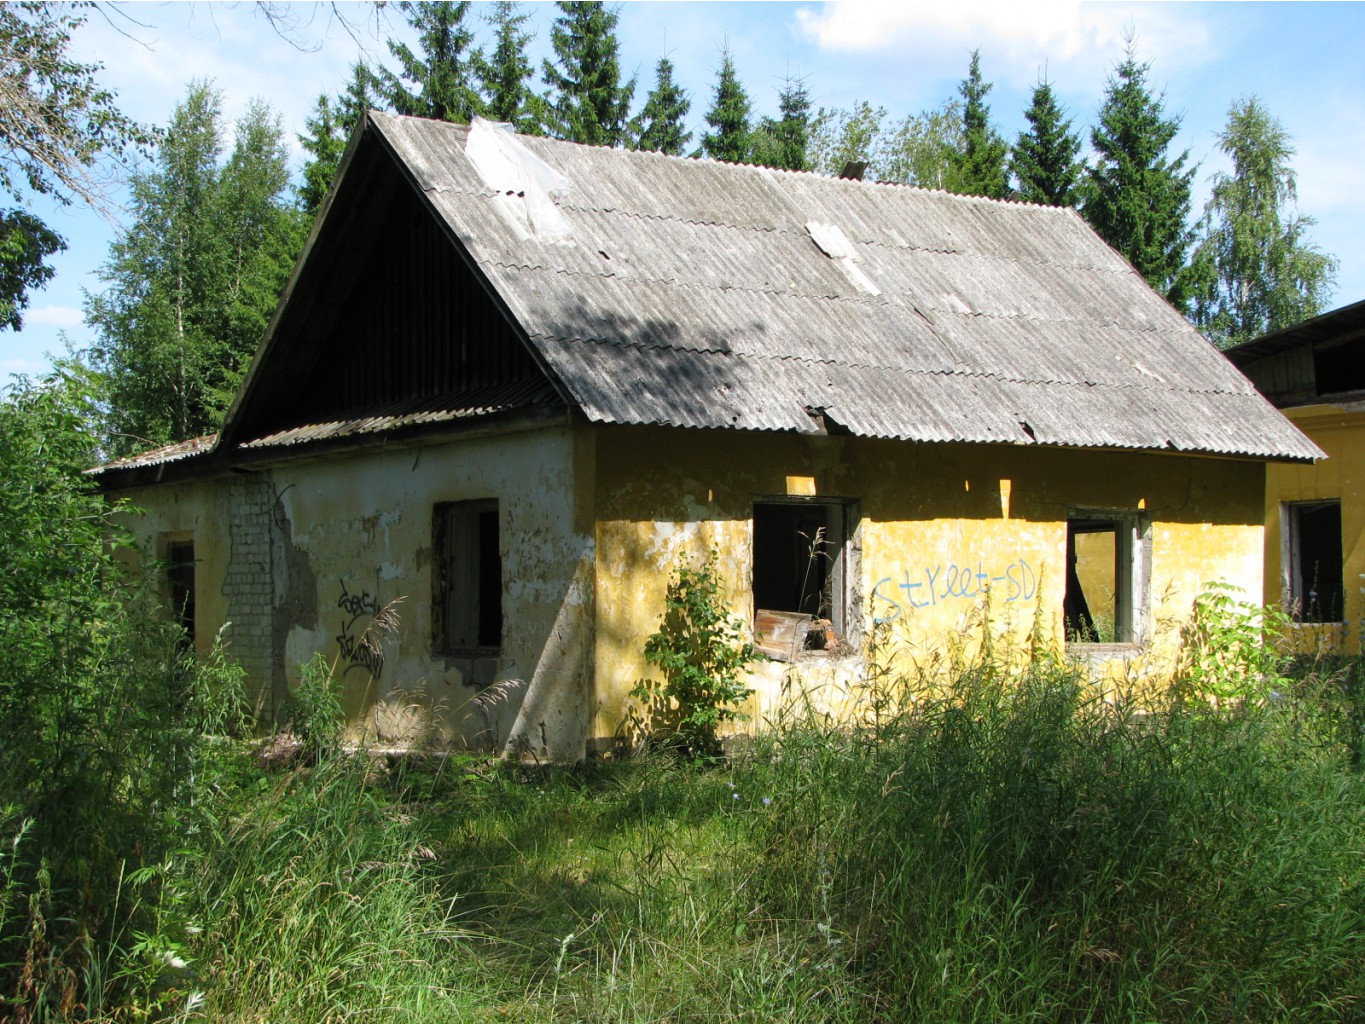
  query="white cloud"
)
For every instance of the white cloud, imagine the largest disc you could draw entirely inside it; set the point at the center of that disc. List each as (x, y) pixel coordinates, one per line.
(1018, 41)
(53, 316)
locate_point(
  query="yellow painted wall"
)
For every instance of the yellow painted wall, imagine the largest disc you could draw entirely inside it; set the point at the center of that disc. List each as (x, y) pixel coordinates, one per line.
(1341, 434)
(939, 525)
(594, 519)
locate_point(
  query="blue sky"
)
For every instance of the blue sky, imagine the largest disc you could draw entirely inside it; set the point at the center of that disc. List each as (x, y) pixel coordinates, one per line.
(1301, 59)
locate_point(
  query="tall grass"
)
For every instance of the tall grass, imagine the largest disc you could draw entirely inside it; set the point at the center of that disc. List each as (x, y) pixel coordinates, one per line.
(1013, 847)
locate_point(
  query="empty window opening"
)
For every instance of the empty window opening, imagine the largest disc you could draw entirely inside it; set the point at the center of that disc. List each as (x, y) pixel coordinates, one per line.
(1338, 370)
(1313, 561)
(798, 578)
(1104, 579)
(467, 582)
(180, 584)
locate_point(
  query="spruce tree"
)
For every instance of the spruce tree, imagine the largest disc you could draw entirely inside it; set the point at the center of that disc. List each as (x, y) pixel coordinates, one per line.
(587, 101)
(1045, 162)
(1138, 197)
(329, 131)
(1258, 271)
(504, 75)
(784, 141)
(325, 145)
(440, 75)
(661, 125)
(194, 279)
(978, 168)
(729, 116)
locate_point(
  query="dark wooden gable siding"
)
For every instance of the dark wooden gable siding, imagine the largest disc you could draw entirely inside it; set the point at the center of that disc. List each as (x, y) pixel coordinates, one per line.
(385, 318)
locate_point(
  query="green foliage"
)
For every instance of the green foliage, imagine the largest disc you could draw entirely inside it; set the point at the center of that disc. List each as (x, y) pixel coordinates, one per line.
(702, 652)
(728, 116)
(1045, 161)
(1230, 649)
(103, 769)
(325, 143)
(1137, 197)
(661, 122)
(57, 124)
(437, 81)
(312, 710)
(918, 150)
(587, 101)
(978, 167)
(783, 141)
(1257, 270)
(329, 132)
(840, 136)
(25, 242)
(193, 281)
(504, 75)
(58, 119)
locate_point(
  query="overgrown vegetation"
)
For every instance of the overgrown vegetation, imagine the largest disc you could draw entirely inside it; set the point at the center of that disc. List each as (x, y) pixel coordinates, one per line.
(703, 652)
(993, 839)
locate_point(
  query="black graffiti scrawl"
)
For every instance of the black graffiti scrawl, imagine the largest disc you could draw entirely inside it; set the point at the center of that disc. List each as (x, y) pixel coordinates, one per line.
(358, 648)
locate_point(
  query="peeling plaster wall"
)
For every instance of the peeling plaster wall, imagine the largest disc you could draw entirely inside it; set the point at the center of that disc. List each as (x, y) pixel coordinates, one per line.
(334, 540)
(939, 526)
(1341, 434)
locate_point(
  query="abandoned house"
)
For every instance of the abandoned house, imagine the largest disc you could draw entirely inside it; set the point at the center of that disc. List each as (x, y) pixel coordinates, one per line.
(513, 380)
(1314, 372)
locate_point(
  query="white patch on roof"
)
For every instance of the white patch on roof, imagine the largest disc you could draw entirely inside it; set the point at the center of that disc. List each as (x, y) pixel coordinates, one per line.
(836, 245)
(526, 185)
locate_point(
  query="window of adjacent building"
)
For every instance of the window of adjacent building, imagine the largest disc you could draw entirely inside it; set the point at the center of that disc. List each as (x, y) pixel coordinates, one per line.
(180, 584)
(1312, 560)
(467, 578)
(799, 573)
(1106, 578)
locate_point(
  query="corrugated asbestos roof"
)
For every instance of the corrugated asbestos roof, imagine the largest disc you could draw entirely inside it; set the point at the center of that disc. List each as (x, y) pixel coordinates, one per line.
(445, 409)
(175, 452)
(692, 293)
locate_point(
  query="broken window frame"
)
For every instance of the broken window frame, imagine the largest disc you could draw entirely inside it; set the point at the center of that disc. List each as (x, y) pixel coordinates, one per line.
(833, 597)
(178, 557)
(467, 592)
(1301, 593)
(1132, 577)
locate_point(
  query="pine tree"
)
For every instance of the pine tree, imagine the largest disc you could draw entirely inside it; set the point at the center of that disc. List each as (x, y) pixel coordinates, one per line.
(1045, 162)
(587, 103)
(784, 141)
(440, 76)
(505, 74)
(1138, 198)
(193, 280)
(660, 126)
(1258, 270)
(729, 116)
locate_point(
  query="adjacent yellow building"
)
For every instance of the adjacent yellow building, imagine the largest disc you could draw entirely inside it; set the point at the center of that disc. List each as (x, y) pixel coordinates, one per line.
(1314, 372)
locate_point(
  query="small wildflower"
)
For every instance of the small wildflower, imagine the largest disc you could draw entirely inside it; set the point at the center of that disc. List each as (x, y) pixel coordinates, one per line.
(735, 795)
(767, 801)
